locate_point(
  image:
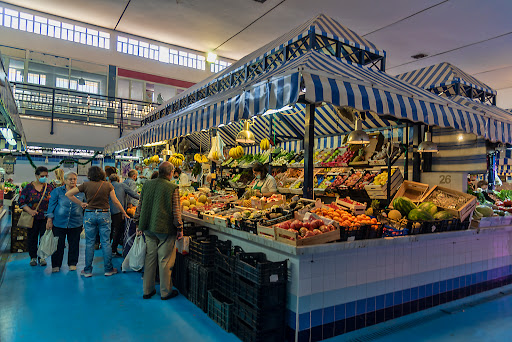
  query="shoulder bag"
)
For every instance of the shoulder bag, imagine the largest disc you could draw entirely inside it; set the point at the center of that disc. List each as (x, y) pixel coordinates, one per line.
(26, 220)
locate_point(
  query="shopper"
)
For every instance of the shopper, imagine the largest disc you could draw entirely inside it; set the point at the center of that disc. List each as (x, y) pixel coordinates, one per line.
(154, 175)
(265, 184)
(97, 217)
(159, 217)
(34, 200)
(59, 178)
(65, 218)
(122, 192)
(131, 181)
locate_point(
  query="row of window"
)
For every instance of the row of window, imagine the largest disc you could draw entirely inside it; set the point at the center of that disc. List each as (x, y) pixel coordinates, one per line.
(53, 28)
(16, 75)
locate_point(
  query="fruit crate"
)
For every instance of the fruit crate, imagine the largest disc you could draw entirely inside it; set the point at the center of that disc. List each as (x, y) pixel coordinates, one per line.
(412, 190)
(260, 296)
(257, 269)
(380, 191)
(180, 274)
(246, 333)
(291, 238)
(201, 280)
(258, 204)
(354, 206)
(261, 319)
(463, 210)
(220, 309)
(364, 232)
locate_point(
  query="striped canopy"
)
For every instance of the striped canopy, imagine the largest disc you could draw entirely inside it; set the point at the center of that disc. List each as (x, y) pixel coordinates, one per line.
(441, 76)
(324, 79)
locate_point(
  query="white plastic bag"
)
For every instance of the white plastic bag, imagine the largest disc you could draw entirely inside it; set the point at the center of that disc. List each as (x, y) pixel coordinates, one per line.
(217, 150)
(47, 245)
(182, 245)
(137, 254)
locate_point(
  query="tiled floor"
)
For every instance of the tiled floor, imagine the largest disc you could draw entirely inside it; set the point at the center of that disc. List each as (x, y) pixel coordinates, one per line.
(36, 305)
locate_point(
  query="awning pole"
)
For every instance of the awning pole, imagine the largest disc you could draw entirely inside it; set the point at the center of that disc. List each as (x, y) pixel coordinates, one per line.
(271, 138)
(309, 145)
(416, 158)
(406, 164)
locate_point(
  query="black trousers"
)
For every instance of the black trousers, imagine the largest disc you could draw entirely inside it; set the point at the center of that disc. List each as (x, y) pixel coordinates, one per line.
(117, 230)
(73, 235)
(33, 234)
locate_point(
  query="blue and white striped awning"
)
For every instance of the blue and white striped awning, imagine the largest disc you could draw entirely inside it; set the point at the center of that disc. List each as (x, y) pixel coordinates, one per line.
(328, 80)
(441, 77)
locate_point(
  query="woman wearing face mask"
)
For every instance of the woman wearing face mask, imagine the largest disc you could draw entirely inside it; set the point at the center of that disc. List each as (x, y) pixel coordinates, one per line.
(36, 195)
(65, 218)
(181, 178)
(264, 184)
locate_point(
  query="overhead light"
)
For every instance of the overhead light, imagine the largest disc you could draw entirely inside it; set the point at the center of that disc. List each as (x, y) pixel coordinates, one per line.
(221, 125)
(81, 81)
(8, 136)
(273, 111)
(460, 137)
(212, 57)
(155, 143)
(358, 136)
(245, 136)
(120, 151)
(427, 145)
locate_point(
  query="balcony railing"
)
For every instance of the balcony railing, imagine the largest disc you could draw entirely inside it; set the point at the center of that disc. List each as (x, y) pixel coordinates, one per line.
(57, 103)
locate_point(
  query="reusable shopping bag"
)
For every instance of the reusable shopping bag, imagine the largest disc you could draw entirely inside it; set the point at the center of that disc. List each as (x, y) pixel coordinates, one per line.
(47, 245)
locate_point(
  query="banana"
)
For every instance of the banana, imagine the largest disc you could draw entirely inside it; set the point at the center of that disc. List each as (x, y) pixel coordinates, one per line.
(179, 156)
(265, 144)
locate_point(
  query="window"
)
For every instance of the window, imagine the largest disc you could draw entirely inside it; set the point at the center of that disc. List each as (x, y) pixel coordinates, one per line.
(36, 78)
(88, 87)
(52, 28)
(15, 75)
(62, 82)
(218, 66)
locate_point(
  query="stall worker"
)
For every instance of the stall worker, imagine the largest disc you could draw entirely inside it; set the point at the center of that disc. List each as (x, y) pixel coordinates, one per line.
(265, 184)
(181, 178)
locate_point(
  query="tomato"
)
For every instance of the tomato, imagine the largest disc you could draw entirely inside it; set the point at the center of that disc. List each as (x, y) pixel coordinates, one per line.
(507, 203)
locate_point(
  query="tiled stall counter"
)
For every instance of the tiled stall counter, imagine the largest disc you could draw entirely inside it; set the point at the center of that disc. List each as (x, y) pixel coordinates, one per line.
(340, 287)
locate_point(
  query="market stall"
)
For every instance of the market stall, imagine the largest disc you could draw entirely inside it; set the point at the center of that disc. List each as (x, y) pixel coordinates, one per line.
(345, 257)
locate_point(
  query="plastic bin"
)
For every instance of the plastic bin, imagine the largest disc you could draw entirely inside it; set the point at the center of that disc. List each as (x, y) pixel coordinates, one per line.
(248, 334)
(201, 280)
(220, 309)
(257, 269)
(202, 250)
(180, 274)
(271, 318)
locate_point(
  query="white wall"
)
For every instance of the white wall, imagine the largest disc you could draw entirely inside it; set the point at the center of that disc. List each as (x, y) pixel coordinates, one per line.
(37, 131)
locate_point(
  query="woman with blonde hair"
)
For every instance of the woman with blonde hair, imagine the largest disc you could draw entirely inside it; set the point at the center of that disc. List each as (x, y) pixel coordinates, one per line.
(59, 178)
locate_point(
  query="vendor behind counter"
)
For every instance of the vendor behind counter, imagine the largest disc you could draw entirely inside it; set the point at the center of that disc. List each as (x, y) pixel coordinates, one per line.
(264, 184)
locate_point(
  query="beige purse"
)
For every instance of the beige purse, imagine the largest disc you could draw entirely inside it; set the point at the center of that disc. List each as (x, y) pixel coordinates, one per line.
(26, 220)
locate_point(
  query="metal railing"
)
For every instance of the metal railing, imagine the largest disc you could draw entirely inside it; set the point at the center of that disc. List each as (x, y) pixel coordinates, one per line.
(57, 103)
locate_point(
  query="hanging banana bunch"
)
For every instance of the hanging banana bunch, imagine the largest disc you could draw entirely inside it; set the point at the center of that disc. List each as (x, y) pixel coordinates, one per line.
(200, 158)
(236, 152)
(265, 144)
(177, 159)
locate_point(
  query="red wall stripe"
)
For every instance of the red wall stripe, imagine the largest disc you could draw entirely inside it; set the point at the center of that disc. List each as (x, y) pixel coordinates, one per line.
(153, 78)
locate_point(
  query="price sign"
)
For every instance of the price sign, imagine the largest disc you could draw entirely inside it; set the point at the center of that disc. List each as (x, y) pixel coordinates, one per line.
(453, 180)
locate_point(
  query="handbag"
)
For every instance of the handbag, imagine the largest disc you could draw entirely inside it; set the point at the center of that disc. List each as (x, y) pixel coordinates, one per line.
(26, 220)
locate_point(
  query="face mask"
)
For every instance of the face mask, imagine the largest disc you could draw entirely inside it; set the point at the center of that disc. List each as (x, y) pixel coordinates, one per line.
(107, 177)
(42, 180)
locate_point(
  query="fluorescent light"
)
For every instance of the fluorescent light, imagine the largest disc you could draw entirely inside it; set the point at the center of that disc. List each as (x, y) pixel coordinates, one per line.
(155, 143)
(127, 157)
(124, 149)
(221, 125)
(460, 137)
(8, 136)
(212, 57)
(273, 111)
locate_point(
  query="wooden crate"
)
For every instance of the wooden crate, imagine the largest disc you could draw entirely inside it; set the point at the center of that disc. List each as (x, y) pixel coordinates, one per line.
(381, 191)
(412, 190)
(290, 238)
(267, 232)
(258, 204)
(464, 211)
(356, 207)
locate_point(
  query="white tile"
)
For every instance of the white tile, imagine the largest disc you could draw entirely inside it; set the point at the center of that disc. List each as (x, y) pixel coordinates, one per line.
(317, 285)
(304, 288)
(361, 277)
(361, 292)
(305, 271)
(341, 280)
(351, 278)
(330, 283)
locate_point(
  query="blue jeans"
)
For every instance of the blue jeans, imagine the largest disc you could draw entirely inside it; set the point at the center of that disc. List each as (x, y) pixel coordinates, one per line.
(95, 222)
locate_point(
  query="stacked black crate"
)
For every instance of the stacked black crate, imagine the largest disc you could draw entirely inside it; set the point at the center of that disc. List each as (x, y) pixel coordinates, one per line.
(260, 298)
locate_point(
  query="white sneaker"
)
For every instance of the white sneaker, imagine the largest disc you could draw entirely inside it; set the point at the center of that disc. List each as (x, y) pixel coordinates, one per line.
(42, 262)
(55, 269)
(33, 262)
(72, 268)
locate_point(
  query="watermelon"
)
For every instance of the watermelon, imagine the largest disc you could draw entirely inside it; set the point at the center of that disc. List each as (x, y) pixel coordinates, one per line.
(404, 205)
(429, 207)
(419, 215)
(443, 215)
(485, 210)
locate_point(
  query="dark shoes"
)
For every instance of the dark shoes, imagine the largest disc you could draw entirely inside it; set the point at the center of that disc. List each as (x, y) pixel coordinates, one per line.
(173, 294)
(147, 296)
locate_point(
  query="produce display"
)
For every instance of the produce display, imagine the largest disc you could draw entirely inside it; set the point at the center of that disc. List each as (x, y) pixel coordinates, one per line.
(265, 144)
(446, 200)
(365, 180)
(200, 158)
(308, 228)
(177, 159)
(236, 152)
(382, 178)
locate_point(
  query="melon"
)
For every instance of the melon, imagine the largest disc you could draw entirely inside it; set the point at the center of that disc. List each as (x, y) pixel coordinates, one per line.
(200, 204)
(192, 206)
(192, 200)
(443, 215)
(404, 205)
(186, 203)
(419, 215)
(395, 215)
(429, 207)
(185, 208)
(485, 210)
(203, 199)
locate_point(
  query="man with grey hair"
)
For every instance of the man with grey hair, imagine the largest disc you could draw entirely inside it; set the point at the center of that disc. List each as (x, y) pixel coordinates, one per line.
(159, 218)
(131, 181)
(65, 218)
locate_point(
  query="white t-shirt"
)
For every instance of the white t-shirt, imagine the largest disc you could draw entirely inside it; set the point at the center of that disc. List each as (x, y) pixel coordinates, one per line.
(267, 185)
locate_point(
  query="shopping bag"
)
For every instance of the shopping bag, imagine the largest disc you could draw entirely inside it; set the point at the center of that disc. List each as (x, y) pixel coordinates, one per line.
(130, 230)
(47, 245)
(137, 254)
(183, 244)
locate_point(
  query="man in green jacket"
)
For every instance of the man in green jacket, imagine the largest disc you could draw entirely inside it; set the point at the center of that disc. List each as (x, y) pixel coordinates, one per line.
(159, 218)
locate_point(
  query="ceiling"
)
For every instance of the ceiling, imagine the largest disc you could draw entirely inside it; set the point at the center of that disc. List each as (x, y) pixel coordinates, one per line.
(474, 35)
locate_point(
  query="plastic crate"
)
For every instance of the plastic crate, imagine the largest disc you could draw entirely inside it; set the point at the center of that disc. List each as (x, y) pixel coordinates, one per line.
(224, 282)
(220, 309)
(260, 319)
(202, 250)
(373, 231)
(226, 260)
(260, 296)
(201, 280)
(391, 232)
(248, 334)
(249, 226)
(190, 229)
(257, 269)
(180, 274)
(462, 225)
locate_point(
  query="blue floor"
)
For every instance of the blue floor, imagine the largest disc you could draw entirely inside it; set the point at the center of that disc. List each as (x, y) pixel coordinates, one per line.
(36, 305)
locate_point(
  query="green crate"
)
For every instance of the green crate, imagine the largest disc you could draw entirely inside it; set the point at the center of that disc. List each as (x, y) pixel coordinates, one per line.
(220, 309)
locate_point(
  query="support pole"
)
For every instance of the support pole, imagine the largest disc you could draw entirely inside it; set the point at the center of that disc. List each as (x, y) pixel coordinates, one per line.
(388, 188)
(406, 164)
(309, 144)
(270, 135)
(53, 110)
(427, 157)
(416, 158)
(491, 160)
(121, 120)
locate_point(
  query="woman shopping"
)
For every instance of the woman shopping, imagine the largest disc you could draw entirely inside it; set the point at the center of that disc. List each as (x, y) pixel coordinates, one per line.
(34, 200)
(264, 184)
(66, 219)
(59, 178)
(97, 217)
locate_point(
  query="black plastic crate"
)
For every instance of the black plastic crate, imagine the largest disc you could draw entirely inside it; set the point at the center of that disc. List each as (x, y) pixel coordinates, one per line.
(224, 282)
(249, 226)
(373, 231)
(462, 225)
(225, 259)
(202, 250)
(260, 319)
(201, 280)
(248, 334)
(260, 296)
(190, 229)
(220, 309)
(256, 268)
(180, 274)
